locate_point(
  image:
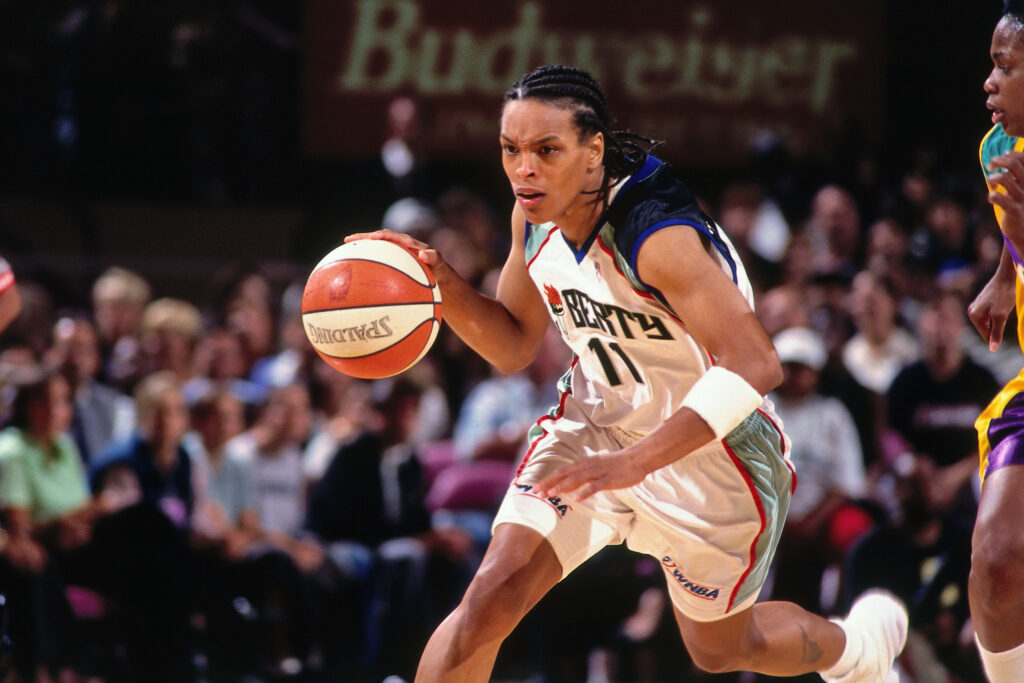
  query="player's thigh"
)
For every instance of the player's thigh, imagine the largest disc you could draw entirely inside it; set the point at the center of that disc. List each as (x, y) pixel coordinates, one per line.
(576, 530)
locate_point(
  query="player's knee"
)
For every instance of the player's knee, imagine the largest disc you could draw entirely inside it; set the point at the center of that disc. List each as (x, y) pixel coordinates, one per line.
(719, 655)
(492, 607)
(997, 572)
(719, 647)
(715, 660)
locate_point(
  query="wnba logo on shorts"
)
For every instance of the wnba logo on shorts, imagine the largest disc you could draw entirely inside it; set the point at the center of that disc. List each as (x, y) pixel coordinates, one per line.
(695, 588)
(556, 503)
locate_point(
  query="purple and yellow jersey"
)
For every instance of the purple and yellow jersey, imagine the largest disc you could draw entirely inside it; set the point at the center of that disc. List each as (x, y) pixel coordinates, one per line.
(1001, 425)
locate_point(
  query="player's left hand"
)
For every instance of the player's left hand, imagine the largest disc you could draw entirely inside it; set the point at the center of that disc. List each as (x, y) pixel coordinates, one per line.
(586, 477)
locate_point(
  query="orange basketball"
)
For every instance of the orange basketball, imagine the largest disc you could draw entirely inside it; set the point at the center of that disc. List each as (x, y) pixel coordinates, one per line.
(371, 309)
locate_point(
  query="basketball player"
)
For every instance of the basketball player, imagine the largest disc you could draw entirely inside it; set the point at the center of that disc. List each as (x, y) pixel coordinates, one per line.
(662, 437)
(996, 588)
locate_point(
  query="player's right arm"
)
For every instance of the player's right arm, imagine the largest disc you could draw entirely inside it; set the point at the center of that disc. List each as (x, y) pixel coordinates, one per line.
(506, 330)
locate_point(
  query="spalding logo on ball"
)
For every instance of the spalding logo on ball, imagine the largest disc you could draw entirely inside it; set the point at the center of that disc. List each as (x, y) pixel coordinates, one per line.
(371, 309)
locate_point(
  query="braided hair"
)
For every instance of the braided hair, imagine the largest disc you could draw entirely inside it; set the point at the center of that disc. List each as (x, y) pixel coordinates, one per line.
(572, 88)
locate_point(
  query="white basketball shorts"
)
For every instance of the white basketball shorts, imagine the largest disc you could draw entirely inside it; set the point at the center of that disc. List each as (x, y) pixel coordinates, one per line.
(713, 518)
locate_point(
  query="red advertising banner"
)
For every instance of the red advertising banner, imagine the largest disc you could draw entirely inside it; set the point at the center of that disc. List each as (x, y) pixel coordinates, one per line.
(705, 76)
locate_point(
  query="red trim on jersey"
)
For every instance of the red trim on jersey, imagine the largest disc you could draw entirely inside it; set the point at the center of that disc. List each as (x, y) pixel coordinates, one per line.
(782, 438)
(761, 514)
(541, 247)
(6, 280)
(544, 418)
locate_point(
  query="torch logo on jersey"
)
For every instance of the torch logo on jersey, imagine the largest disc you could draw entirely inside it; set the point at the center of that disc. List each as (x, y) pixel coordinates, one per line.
(555, 303)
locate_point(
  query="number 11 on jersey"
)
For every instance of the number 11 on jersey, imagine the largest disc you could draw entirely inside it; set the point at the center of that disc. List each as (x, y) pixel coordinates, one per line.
(607, 365)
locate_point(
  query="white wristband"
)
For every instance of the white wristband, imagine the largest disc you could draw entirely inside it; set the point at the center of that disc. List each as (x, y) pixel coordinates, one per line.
(723, 399)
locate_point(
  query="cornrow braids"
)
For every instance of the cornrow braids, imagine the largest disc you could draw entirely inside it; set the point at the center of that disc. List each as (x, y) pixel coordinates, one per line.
(625, 151)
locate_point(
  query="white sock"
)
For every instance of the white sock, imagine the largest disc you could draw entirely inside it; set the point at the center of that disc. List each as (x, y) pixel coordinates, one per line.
(851, 655)
(1002, 667)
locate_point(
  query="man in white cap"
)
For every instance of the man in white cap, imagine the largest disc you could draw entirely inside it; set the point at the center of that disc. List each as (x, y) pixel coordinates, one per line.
(823, 519)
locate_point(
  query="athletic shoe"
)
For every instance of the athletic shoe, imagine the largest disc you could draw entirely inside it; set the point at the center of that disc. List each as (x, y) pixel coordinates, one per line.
(878, 624)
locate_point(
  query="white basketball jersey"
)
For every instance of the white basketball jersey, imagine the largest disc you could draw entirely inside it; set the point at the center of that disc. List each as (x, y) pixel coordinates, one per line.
(635, 360)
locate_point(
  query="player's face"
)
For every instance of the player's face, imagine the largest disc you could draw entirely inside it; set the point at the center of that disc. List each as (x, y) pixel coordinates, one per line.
(1005, 85)
(546, 162)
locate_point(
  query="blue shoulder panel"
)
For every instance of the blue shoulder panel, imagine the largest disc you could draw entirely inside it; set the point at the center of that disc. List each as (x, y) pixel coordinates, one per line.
(657, 200)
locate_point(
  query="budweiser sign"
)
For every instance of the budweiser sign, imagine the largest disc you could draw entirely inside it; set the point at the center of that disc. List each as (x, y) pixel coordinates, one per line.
(705, 76)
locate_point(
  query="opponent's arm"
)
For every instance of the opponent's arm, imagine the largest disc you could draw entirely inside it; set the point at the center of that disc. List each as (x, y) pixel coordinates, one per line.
(675, 262)
(991, 308)
(506, 330)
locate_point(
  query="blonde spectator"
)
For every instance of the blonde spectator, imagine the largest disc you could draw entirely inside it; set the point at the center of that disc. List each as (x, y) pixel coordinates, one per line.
(119, 296)
(169, 331)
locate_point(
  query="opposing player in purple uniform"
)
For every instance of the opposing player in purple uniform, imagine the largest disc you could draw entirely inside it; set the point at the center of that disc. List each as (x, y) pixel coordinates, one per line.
(996, 587)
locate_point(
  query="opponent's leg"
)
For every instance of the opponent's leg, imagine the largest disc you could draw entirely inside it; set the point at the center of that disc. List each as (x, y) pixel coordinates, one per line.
(996, 587)
(783, 639)
(518, 569)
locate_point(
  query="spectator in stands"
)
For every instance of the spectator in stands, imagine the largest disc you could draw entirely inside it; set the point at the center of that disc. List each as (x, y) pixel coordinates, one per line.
(170, 329)
(228, 513)
(782, 307)
(834, 232)
(102, 415)
(945, 239)
(155, 463)
(240, 570)
(757, 229)
(824, 517)
(272, 450)
(46, 506)
(401, 155)
(933, 402)
(109, 543)
(220, 360)
(880, 347)
(887, 253)
(155, 454)
(924, 557)
(119, 297)
(468, 215)
(369, 508)
(247, 308)
(293, 360)
(341, 406)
